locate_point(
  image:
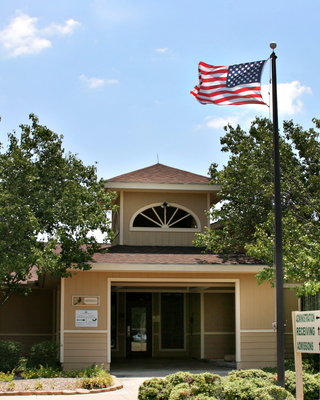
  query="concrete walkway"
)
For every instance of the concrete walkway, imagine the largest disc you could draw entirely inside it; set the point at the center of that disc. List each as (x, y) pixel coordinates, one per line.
(132, 373)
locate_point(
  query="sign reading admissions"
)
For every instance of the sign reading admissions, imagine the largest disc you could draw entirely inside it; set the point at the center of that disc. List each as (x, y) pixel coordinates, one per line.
(307, 331)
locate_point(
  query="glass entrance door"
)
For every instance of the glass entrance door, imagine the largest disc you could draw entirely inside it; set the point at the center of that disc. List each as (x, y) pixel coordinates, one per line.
(139, 309)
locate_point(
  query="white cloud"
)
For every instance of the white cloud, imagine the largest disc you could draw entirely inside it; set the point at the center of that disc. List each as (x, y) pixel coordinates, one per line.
(290, 102)
(66, 29)
(289, 97)
(22, 36)
(220, 122)
(95, 83)
(163, 50)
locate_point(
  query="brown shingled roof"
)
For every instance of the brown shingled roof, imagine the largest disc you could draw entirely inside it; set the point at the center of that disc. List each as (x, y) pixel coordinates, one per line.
(167, 255)
(160, 173)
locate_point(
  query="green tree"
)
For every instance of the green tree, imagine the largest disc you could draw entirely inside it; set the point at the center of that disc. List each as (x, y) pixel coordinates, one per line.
(245, 217)
(49, 201)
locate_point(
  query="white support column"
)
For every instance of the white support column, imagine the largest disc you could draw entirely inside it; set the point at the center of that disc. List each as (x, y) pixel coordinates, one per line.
(238, 321)
(62, 301)
(121, 218)
(208, 209)
(109, 321)
(202, 324)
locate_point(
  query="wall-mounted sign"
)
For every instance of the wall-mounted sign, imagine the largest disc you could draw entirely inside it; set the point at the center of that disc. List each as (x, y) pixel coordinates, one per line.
(86, 300)
(87, 318)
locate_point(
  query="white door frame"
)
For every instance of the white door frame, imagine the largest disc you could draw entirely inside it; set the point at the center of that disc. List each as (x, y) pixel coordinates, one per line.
(164, 282)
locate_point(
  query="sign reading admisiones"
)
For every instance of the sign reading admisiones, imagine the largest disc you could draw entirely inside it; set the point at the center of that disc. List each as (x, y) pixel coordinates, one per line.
(307, 331)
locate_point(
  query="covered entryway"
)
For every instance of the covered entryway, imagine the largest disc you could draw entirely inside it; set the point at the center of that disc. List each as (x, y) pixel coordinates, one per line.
(173, 318)
(161, 367)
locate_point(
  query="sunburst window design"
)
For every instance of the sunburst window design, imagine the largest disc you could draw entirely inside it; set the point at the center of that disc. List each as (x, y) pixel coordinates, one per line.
(165, 216)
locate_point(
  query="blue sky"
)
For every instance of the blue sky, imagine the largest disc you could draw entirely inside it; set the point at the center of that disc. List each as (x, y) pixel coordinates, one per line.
(114, 77)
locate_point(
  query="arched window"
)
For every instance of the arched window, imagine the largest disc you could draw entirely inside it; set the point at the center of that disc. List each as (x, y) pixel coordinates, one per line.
(171, 217)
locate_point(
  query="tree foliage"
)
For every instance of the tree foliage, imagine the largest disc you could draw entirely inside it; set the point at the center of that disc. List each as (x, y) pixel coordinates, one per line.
(245, 218)
(46, 193)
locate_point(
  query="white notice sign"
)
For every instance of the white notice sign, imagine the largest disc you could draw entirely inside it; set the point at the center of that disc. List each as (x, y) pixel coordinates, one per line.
(87, 318)
(307, 331)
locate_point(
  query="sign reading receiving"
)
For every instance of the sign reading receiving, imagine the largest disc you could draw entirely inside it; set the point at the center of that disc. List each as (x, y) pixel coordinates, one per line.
(307, 331)
(87, 318)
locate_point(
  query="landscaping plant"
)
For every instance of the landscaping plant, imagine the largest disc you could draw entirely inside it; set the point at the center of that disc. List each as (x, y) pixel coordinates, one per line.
(10, 353)
(44, 354)
(252, 384)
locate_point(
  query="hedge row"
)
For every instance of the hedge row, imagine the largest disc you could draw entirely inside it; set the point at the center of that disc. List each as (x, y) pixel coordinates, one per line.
(243, 384)
(44, 353)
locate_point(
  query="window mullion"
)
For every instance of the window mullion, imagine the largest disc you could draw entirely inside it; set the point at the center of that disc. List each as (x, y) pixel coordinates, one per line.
(180, 219)
(158, 216)
(152, 220)
(172, 216)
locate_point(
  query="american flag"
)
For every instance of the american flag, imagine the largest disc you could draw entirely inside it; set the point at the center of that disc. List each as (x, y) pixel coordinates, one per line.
(229, 85)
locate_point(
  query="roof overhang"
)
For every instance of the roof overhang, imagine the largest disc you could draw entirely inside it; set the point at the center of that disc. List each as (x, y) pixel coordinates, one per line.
(198, 268)
(212, 190)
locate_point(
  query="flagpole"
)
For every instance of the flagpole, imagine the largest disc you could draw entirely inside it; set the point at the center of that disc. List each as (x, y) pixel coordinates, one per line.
(278, 226)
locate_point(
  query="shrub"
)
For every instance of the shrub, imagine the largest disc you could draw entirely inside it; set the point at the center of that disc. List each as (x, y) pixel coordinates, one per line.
(243, 384)
(6, 377)
(311, 384)
(180, 392)
(42, 372)
(97, 382)
(154, 389)
(45, 354)
(252, 389)
(10, 353)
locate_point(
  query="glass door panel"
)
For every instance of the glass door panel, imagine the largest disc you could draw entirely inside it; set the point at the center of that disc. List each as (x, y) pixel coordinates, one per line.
(139, 323)
(138, 329)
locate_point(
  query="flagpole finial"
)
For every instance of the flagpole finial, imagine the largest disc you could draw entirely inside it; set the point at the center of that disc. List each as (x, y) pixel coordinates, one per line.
(273, 45)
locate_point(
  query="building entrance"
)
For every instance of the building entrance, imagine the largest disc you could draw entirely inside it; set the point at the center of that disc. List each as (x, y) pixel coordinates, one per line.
(139, 325)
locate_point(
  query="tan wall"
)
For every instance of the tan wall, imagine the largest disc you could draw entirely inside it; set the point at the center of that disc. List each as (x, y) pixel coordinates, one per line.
(82, 346)
(134, 201)
(258, 350)
(219, 325)
(257, 310)
(257, 304)
(83, 349)
(86, 284)
(28, 319)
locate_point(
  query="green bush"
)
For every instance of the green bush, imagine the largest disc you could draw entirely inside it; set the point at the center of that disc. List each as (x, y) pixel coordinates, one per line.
(97, 382)
(44, 354)
(6, 377)
(180, 392)
(42, 372)
(10, 353)
(154, 389)
(311, 384)
(252, 389)
(243, 384)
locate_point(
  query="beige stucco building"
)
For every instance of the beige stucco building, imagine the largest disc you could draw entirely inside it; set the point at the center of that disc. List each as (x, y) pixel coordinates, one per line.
(153, 294)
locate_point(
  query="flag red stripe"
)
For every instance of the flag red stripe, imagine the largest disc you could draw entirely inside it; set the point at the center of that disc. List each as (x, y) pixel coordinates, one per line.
(212, 87)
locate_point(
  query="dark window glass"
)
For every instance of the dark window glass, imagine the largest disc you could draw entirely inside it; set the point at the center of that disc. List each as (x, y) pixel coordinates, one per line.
(168, 217)
(113, 320)
(172, 321)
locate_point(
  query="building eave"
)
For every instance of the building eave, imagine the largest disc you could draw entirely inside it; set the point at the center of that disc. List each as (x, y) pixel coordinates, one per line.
(198, 268)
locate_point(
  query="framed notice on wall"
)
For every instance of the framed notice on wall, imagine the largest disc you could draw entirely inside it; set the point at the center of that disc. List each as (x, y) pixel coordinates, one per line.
(86, 318)
(86, 300)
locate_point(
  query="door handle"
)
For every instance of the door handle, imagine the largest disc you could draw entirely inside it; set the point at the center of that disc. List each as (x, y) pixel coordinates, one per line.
(128, 331)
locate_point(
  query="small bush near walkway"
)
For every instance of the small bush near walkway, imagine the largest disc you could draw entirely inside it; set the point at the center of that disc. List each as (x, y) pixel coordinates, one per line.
(10, 354)
(251, 384)
(44, 353)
